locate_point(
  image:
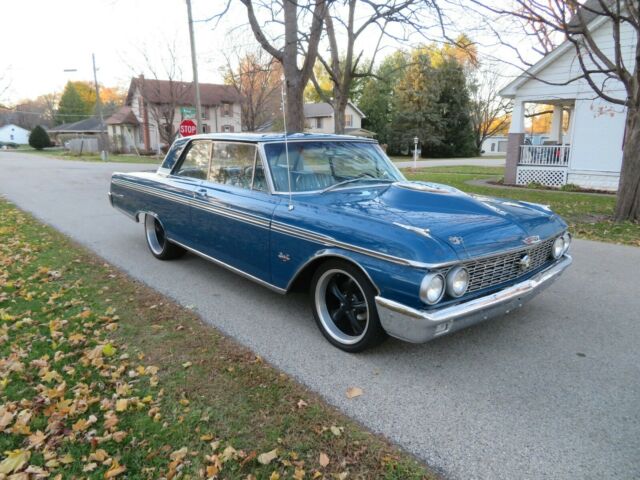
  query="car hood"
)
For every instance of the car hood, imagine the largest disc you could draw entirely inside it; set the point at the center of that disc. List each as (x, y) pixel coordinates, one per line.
(470, 225)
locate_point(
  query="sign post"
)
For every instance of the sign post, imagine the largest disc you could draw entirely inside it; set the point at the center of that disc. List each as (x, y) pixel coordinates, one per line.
(415, 152)
(188, 128)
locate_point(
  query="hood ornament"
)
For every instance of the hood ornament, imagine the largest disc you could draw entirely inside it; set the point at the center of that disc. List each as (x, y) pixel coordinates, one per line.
(532, 240)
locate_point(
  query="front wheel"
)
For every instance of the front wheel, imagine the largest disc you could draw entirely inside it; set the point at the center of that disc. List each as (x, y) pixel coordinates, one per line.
(344, 307)
(157, 241)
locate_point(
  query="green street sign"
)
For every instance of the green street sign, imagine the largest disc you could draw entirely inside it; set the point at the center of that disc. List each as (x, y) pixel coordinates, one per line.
(188, 112)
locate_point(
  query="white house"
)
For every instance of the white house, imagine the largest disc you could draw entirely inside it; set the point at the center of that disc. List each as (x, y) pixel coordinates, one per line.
(319, 119)
(138, 123)
(14, 134)
(494, 145)
(589, 152)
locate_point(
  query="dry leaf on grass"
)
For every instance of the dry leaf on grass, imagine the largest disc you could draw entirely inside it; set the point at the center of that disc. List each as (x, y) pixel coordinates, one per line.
(324, 459)
(268, 457)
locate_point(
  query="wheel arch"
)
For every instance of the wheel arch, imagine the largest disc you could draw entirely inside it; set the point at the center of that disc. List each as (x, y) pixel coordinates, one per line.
(302, 278)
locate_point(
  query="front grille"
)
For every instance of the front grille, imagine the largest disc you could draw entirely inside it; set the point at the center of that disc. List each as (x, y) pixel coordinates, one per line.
(491, 271)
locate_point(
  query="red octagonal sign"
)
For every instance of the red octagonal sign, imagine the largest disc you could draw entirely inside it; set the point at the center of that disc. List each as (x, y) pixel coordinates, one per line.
(188, 128)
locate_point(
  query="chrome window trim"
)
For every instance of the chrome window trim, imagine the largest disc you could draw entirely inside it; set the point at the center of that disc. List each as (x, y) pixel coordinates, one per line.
(322, 239)
(272, 186)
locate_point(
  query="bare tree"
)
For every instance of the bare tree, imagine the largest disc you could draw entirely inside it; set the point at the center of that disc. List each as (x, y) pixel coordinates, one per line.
(165, 92)
(361, 16)
(299, 26)
(602, 67)
(256, 75)
(489, 111)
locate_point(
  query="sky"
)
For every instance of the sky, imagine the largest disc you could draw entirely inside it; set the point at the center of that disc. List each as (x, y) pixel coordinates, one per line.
(43, 38)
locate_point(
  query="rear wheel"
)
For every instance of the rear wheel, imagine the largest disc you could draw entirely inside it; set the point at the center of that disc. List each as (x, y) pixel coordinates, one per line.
(157, 241)
(344, 307)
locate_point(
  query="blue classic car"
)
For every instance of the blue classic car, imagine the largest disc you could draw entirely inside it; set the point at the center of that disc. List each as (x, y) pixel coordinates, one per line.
(379, 255)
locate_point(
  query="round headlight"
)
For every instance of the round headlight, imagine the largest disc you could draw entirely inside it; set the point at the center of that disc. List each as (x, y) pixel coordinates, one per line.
(567, 241)
(432, 288)
(457, 281)
(558, 248)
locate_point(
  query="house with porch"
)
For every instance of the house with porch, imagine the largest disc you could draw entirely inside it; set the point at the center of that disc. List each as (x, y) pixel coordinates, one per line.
(584, 146)
(153, 110)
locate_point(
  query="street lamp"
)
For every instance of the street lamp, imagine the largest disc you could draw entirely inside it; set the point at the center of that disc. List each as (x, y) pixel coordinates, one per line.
(415, 152)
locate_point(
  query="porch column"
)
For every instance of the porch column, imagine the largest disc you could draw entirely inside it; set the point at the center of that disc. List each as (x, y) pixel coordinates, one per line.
(515, 139)
(556, 124)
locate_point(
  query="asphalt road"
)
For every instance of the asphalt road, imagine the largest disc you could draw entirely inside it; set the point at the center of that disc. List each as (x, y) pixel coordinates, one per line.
(549, 392)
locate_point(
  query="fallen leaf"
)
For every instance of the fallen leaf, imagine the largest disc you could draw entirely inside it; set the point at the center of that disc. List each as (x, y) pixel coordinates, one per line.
(186, 364)
(268, 457)
(302, 403)
(324, 459)
(335, 430)
(353, 392)
(108, 350)
(15, 461)
(115, 470)
(121, 404)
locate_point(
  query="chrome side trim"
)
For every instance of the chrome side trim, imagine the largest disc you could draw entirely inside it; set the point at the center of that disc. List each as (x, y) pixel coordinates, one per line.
(231, 268)
(305, 234)
(413, 325)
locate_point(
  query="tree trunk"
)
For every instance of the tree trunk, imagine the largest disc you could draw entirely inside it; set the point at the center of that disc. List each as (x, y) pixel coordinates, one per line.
(339, 106)
(628, 204)
(295, 105)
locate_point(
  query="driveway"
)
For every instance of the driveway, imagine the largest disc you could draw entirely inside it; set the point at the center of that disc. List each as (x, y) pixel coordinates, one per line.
(552, 391)
(453, 162)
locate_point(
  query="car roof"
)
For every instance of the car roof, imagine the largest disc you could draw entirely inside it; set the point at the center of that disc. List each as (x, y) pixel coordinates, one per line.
(279, 137)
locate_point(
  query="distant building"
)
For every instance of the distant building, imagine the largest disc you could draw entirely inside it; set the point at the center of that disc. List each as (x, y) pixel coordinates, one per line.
(87, 129)
(138, 124)
(14, 134)
(319, 118)
(494, 145)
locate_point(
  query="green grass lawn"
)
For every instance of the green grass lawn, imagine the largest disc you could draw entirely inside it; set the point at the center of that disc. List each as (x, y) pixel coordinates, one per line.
(101, 377)
(91, 157)
(589, 215)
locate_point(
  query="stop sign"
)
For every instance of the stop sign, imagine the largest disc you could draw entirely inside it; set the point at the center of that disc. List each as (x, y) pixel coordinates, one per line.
(188, 128)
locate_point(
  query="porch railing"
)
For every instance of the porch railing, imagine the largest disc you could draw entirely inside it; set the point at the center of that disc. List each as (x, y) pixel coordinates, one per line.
(548, 155)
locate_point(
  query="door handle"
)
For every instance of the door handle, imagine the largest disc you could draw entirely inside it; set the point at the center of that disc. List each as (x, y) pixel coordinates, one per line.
(201, 192)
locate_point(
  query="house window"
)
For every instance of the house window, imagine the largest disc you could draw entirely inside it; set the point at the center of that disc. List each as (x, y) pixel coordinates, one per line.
(140, 106)
(348, 120)
(205, 128)
(11, 136)
(227, 128)
(226, 109)
(204, 112)
(493, 147)
(319, 122)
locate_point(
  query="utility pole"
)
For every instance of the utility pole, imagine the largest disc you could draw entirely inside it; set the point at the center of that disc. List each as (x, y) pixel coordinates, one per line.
(194, 64)
(105, 151)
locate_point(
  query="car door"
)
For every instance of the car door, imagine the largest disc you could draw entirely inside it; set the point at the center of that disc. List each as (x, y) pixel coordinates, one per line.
(233, 208)
(180, 189)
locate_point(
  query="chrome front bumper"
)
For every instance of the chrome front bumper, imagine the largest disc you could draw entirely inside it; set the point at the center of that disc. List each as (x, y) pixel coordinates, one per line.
(419, 326)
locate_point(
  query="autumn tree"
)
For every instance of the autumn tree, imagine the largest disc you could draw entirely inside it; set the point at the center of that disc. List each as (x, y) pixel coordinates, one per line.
(489, 112)
(257, 77)
(609, 69)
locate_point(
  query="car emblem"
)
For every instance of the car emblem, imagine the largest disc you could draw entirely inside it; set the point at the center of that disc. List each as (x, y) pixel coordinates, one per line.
(456, 240)
(284, 257)
(532, 240)
(525, 262)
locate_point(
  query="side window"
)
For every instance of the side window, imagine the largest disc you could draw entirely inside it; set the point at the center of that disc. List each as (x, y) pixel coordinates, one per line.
(233, 164)
(196, 161)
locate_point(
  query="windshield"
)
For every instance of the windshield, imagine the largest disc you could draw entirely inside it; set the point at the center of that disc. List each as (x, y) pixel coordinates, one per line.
(320, 165)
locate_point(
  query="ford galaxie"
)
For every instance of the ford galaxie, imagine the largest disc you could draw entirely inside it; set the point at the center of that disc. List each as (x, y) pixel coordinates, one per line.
(332, 214)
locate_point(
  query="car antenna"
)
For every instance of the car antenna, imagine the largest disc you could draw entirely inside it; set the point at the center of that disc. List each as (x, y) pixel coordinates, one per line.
(286, 143)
